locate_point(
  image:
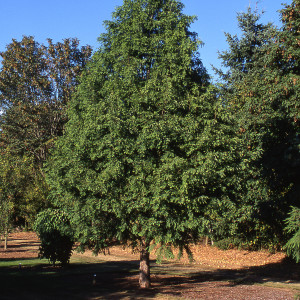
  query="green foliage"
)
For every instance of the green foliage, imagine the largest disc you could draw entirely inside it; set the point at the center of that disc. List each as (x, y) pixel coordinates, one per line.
(254, 238)
(288, 52)
(148, 147)
(6, 208)
(293, 227)
(36, 83)
(56, 235)
(229, 243)
(254, 89)
(22, 186)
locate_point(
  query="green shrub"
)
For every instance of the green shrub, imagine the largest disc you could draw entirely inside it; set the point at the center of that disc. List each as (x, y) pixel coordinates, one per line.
(56, 235)
(228, 243)
(250, 244)
(292, 247)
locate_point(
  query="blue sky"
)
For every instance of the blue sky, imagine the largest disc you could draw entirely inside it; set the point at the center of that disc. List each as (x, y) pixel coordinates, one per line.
(59, 19)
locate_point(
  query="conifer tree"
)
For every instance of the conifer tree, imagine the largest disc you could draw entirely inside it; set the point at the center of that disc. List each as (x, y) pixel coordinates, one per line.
(285, 65)
(255, 89)
(145, 152)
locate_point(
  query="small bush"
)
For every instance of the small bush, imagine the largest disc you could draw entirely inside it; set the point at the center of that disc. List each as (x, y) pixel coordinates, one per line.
(228, 243)
(56, 235)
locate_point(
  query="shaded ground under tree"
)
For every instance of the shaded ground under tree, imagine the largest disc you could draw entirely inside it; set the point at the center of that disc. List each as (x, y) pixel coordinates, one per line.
(215, 274)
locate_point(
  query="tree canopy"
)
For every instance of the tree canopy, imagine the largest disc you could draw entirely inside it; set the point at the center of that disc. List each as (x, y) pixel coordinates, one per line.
(260, 89)
(36, 83)
(144, 152)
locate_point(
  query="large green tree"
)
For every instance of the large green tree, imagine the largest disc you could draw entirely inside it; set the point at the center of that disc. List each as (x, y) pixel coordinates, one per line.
(36, 83)
(146, 150)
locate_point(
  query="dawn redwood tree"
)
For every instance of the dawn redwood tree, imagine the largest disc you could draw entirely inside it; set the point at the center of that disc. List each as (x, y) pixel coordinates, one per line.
(145, 152)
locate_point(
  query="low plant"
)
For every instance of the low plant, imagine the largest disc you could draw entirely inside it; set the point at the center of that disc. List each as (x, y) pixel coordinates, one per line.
(292, 247)
(56, 235)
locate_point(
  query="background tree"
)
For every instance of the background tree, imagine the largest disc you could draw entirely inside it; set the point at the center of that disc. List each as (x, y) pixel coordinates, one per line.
(255, 93)
(6, 205)
(285, 57)
(288, 52)
(36, 83)
(5, 220)
(22, 185)
(145, 151)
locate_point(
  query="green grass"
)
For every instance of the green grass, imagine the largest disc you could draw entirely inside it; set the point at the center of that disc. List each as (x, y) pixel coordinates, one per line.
(13, 263)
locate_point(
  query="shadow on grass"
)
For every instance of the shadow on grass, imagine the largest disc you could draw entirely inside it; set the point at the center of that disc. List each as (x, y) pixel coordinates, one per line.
(43, 281)
(119, 280)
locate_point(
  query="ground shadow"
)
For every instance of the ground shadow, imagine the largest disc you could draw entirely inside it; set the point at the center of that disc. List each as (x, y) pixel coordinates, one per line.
(119, 279)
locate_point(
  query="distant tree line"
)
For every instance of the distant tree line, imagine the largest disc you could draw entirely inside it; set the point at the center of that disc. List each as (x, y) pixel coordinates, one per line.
(135, 144)
(36, 84)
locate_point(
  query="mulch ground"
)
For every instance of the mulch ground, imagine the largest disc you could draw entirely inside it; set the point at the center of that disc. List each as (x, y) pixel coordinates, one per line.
(215, 274)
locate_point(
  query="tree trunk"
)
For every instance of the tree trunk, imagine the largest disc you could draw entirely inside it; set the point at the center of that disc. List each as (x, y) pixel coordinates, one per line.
(5, 239)
(206, 241)
(144, 279)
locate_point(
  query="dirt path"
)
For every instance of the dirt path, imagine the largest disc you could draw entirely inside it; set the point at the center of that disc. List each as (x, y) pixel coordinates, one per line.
(215, 274)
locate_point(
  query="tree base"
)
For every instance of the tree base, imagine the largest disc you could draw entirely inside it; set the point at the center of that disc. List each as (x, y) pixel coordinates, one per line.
(144, 278)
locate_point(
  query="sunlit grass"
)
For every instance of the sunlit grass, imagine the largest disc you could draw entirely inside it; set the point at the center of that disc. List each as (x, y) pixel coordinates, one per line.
(15, 263)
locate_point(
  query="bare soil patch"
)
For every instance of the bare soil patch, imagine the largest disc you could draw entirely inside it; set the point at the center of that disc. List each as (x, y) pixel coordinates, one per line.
(215, 274)
(21, 245)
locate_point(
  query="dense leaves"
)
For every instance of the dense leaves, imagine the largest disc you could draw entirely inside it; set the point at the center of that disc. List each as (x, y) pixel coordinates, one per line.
(153, 154)
(289, 52)
(22, 186)
(146, 151)
(36, 83)
(56, 236)
(265, 113)
(293, 227)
